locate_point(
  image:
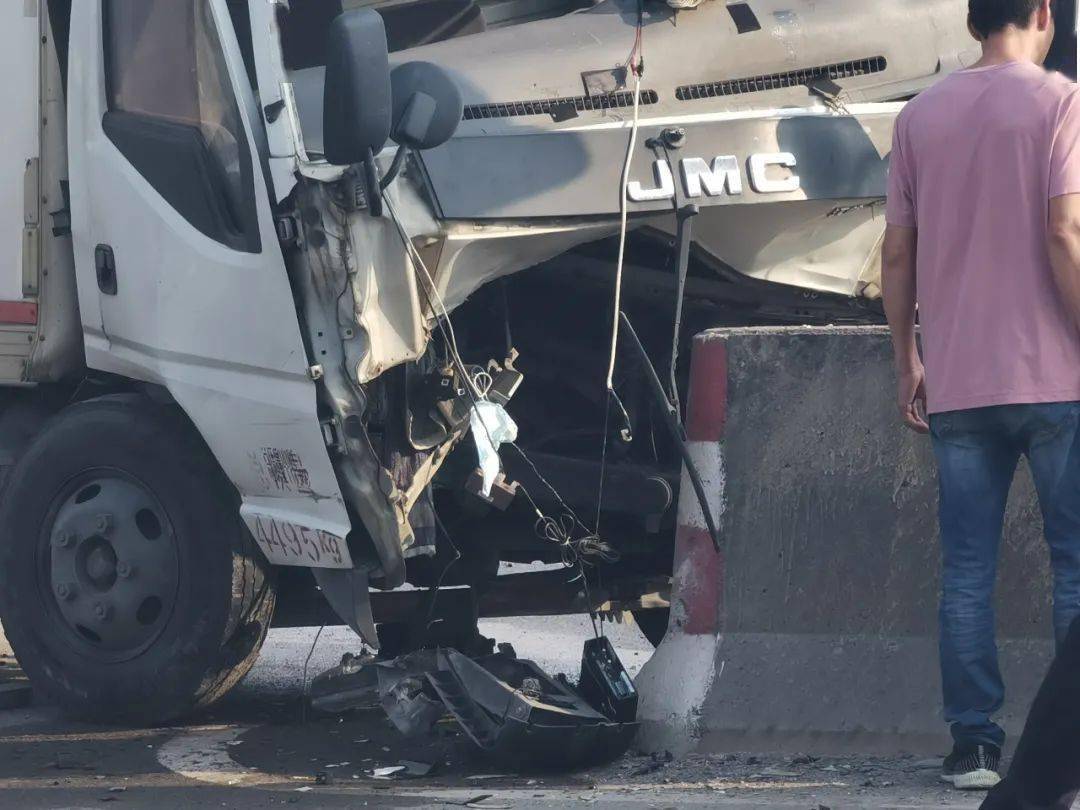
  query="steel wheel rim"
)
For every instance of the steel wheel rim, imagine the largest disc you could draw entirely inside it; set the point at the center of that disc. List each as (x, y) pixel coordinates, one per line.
(108, 565)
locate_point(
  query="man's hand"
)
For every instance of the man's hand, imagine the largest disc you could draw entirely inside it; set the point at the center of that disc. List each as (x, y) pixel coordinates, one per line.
(898, 276)
(911, 398)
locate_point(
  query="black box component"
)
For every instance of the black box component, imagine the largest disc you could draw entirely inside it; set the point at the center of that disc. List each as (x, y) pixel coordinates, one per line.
(605, 683)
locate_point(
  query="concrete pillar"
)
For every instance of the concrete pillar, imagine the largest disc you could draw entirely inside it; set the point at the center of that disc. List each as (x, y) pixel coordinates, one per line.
(816, 626)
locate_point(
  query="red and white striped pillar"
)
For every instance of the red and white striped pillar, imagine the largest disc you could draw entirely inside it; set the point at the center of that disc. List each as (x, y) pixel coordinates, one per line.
(678, 678)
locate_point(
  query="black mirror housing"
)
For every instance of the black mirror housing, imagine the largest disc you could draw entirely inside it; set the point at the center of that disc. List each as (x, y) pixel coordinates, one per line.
(427, 105)
(358, 102)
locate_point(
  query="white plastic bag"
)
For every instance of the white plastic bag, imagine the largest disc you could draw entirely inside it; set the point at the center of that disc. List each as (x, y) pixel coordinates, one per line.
(500, 428)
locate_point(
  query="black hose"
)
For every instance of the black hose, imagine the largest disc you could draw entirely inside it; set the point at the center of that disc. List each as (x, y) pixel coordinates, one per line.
(678, 433)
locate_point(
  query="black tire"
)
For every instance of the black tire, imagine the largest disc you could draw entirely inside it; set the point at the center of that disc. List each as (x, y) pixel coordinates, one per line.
(653, 624)
(214, 609)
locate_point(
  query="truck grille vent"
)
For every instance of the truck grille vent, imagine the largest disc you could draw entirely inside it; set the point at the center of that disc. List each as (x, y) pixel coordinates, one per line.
(559, 108)
(777, 81)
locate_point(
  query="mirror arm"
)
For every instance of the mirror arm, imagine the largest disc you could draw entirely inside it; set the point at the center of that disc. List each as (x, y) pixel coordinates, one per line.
(371, 185)
(395, 167)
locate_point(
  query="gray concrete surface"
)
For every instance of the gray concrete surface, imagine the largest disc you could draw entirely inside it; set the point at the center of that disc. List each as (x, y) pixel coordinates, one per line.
(5, 648)
(830, 571)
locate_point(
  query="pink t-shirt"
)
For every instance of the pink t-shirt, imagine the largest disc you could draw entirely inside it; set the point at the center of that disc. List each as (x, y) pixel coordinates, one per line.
(975, 161)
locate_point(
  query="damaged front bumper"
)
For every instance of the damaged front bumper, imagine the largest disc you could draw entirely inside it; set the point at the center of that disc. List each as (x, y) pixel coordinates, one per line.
(511, 709)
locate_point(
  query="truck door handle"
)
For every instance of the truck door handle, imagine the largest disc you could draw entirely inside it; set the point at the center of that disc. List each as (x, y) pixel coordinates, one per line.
(105, 265)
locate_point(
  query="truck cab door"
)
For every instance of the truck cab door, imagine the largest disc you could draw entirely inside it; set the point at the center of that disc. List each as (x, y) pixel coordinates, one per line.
(181, 278)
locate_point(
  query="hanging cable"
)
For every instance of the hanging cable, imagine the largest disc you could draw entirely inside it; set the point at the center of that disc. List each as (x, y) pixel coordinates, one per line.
(623, 227)
(442, 576)
(304, 681)
(636, 64)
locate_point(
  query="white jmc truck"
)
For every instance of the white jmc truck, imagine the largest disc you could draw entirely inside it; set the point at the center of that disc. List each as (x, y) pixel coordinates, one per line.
(153, 348)
(254, 283)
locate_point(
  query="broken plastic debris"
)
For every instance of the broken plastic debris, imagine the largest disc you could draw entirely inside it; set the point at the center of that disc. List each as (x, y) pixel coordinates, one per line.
(387, 772)
(491, 423)
(414, 768)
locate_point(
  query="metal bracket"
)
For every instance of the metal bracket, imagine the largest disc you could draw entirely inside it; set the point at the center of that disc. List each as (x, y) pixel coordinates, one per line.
(288, 230)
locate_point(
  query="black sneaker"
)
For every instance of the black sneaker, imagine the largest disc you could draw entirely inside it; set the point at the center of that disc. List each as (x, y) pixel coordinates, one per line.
(972, 767)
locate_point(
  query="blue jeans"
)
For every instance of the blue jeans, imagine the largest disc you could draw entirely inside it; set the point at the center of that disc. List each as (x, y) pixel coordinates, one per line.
(977, 452)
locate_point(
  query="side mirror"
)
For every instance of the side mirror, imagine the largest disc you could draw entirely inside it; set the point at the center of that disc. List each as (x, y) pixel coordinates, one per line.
(357, 96)
(427, 105)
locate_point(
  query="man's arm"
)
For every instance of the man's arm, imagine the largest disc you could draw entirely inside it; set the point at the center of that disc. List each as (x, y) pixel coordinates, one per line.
(1063, 241)
(898, 287)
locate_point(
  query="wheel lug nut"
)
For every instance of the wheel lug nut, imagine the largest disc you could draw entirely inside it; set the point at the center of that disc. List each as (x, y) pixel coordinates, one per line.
(104, 523)
(102, 612)
(65, 591)
(124, 570)
(64, 539)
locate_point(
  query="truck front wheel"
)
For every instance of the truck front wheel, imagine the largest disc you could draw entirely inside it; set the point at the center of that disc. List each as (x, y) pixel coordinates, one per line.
(129, 588)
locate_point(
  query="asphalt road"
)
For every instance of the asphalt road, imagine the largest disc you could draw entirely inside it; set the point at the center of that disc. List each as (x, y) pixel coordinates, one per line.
(256, 750)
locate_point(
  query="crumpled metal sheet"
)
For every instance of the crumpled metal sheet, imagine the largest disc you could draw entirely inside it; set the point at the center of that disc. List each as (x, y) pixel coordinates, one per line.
(510, 708)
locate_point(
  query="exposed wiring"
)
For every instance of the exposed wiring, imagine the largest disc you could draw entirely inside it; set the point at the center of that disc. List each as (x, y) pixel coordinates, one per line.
(432, 295)
(589, 545)
(438, 585)
(636, 59)
(482, 381)
(304, 682)
(624, 214)
(636, 64)
(559, 532)
(478, 383)
(591, 542)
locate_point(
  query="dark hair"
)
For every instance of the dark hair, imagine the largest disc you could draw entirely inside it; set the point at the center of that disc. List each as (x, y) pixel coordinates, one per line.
(990, 16)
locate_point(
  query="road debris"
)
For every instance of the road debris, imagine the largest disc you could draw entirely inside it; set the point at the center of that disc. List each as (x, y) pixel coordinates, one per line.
(487, 801)
(509, 707)
(387, 772)
(416, 769)
(657, 761)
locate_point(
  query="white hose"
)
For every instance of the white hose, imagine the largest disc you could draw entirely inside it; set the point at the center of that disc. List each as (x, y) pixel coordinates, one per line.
(624, 210)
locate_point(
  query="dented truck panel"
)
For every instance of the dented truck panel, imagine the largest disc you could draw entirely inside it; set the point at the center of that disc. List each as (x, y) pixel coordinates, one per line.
(181, 313)
(806, 165)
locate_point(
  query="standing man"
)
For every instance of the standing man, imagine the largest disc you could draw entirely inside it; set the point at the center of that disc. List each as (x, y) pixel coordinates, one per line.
(984, 236)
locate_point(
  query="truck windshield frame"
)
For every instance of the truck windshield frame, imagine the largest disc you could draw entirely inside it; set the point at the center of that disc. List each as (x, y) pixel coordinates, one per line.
(173, 113)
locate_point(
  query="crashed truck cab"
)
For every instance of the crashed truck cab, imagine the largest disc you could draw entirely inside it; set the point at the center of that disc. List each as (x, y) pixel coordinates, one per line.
(310, 264)
(183, 185)
(785, 171)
